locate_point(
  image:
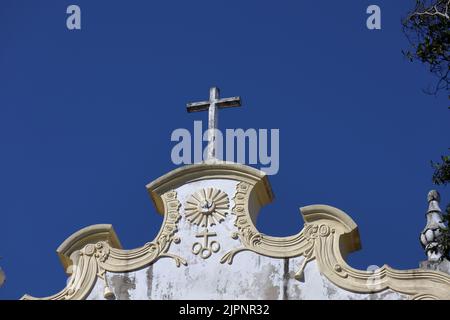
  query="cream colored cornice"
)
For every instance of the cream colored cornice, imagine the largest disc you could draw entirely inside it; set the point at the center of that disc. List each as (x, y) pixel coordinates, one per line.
(206, 171)
(91, 234)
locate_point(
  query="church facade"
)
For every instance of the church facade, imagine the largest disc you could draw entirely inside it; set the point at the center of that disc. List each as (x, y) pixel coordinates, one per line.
(209, 248)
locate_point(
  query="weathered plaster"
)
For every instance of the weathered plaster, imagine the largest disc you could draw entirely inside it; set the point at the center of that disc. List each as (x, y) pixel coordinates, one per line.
(250, 276)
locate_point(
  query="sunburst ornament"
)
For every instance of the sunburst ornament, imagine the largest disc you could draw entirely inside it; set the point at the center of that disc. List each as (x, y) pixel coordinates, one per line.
(207, 207)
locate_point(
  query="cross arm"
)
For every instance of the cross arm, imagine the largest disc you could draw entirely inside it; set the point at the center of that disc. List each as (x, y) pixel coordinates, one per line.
(197, 106)
(229, 102)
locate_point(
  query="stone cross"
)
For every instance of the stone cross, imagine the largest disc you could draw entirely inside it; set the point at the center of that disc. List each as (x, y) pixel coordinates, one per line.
(213, 105)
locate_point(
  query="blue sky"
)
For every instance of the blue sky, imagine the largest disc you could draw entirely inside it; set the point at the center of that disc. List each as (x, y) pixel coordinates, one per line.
(86, 118)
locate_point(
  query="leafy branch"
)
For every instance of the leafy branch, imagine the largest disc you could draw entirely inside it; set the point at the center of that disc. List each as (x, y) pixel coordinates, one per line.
(427, 28)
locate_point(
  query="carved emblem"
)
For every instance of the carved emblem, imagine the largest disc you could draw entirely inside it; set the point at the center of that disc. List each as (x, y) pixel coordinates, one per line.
(206, 249)
(207, 207)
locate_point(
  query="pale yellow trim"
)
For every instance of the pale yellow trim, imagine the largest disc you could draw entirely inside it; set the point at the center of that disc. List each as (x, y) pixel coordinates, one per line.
(253, 240)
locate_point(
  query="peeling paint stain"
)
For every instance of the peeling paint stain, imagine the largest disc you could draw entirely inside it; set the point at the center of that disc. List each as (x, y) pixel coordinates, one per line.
(331, 292)
(273, 279)
(285, 279)
(149, 273)
(123, 284)
(264, 280)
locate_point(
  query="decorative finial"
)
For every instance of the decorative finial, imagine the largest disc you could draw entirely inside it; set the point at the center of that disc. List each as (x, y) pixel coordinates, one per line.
(433, 195)
(433, 201)
(431, 236)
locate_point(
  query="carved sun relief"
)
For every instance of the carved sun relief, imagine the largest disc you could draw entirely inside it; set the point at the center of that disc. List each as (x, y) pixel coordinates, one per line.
(207, 207)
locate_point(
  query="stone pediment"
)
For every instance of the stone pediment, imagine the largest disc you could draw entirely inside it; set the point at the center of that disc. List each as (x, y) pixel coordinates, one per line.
(209, 248)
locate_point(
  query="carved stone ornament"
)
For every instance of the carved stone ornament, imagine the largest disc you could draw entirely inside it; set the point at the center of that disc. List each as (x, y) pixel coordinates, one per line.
(327, 237)
(207, 207)
(205, 248)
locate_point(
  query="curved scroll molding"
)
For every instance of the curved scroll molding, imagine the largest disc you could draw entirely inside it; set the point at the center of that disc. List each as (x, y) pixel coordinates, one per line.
(337, 236)
(253, 240)
(328, 236)
(92, 251)
(78, 240)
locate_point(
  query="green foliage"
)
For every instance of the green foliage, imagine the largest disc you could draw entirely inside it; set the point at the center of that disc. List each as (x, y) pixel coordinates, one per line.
(441, 174)
(446, 235)
(428, 30)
